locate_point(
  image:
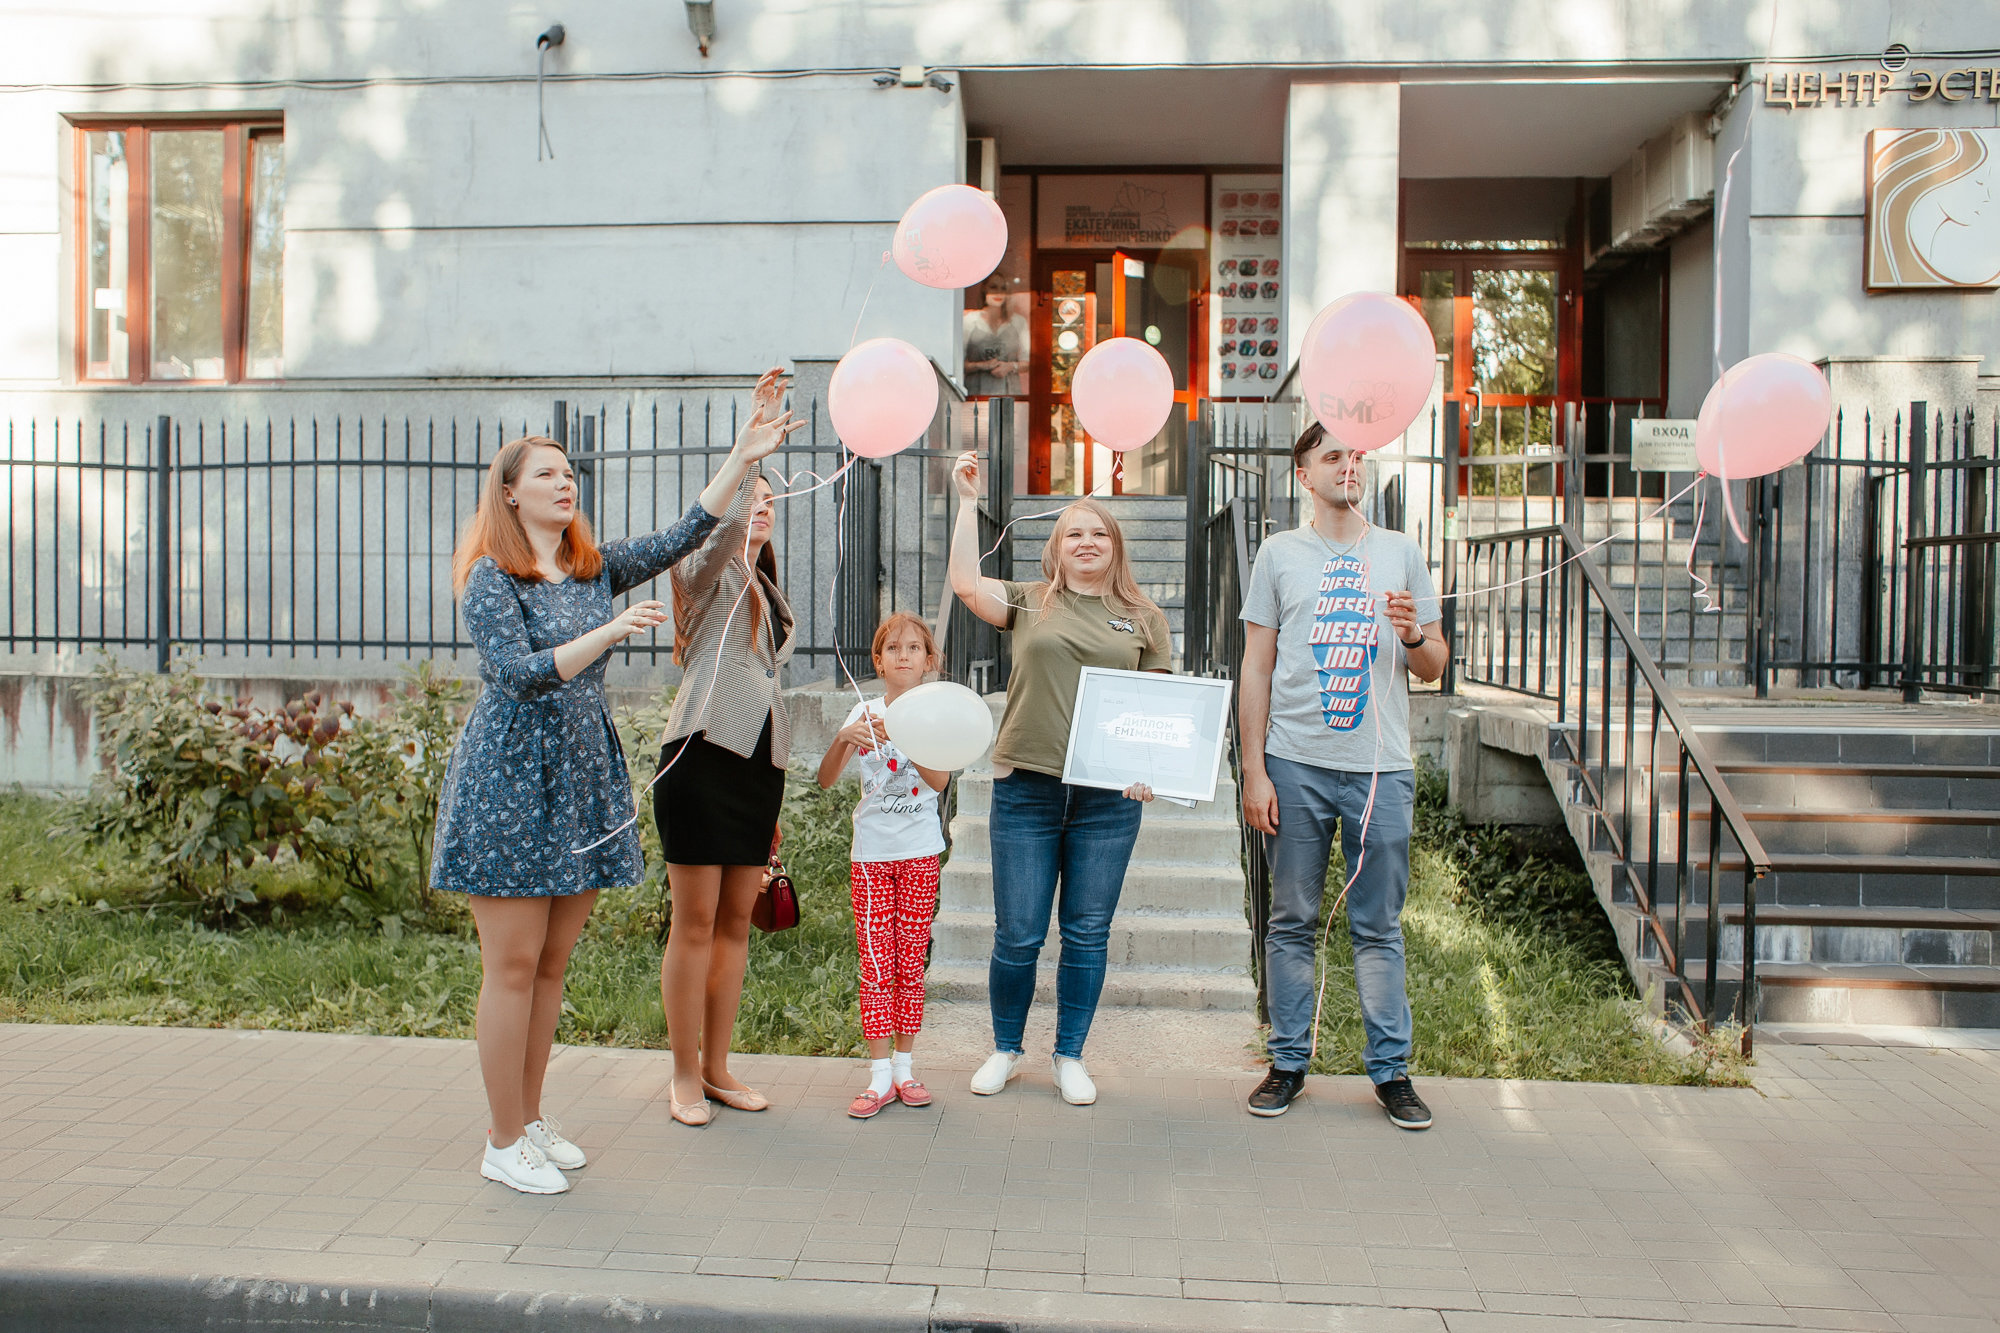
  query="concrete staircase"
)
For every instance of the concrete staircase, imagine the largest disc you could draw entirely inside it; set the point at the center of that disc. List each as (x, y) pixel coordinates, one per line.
(1179, 939)
(1882, 823)
(1155, 532)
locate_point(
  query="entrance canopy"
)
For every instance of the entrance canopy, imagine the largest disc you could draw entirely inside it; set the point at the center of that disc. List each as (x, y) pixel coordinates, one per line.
(1512, 126)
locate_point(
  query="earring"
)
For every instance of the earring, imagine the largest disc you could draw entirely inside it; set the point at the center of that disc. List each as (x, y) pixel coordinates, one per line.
(514, 502)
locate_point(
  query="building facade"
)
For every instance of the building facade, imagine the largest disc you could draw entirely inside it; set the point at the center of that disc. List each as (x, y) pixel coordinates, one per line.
(312, 198)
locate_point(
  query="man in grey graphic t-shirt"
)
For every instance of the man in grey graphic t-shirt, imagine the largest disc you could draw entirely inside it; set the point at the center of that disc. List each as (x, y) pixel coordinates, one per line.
(1336, 613)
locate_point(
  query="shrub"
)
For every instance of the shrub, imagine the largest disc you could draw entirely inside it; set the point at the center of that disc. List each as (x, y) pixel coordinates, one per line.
(197, 790)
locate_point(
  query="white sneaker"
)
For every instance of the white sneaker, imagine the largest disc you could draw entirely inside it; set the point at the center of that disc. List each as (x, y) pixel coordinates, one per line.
(993, 1075)
(547, 1135)
(1073, 1081)
(522, 1167)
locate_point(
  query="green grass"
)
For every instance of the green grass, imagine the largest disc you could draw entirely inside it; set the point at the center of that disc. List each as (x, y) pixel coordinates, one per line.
(1512, 971)
(83, 942)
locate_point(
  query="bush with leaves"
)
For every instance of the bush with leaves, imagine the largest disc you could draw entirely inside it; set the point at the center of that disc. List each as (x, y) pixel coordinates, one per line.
(193, 788)
(199, 790)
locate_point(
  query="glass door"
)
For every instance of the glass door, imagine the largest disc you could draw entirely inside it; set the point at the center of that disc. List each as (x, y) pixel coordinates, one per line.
(1082, 299)
(1503, 327)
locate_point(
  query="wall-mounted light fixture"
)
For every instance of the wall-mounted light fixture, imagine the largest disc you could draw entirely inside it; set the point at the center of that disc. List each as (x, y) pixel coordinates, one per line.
(701, 22)
(551, 37)
(914, 76)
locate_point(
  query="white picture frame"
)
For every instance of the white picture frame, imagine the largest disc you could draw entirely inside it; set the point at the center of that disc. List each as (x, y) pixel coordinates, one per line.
(1166, 731)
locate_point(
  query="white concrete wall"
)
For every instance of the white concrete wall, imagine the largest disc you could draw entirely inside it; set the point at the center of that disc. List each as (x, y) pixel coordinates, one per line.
(1690, 312)
(710, 225)
(1806, 235)
(1339, 230)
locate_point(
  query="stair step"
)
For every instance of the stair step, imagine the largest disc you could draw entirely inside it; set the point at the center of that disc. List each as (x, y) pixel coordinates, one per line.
(1192, 943)
(1163, 988)
(1853, 936)
(1912, 918)
(1895, 994)
(967, 885)
(1815, 863)
(1174, 842)
(975, 797)
(1983, 772)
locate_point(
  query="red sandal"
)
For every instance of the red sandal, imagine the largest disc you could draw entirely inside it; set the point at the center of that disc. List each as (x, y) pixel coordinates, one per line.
(869, 1103)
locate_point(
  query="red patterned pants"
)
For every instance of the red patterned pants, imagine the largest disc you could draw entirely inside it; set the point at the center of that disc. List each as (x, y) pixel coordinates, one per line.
(894, 902)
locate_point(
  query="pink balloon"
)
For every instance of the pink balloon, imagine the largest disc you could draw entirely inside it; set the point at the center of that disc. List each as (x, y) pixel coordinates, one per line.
(882, 397)
(1765, 413)
(1123, 391)
(1366, 367)
(952, 236)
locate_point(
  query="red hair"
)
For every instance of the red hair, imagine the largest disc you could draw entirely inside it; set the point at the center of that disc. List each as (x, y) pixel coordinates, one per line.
(902, 620)
(495, 529)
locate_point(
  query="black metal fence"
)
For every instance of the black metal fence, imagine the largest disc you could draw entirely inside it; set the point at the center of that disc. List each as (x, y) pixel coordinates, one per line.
(1876, 559)
(332, 538)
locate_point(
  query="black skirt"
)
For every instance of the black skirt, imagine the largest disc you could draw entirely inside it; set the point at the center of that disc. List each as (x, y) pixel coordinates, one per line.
(715, 808)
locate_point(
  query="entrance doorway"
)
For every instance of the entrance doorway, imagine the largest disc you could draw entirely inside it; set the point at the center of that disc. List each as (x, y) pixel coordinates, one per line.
(1507, 330)
(1083, 297)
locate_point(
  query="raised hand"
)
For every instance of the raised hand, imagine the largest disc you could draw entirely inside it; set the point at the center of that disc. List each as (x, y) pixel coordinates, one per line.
(965, 473)
(769, 393)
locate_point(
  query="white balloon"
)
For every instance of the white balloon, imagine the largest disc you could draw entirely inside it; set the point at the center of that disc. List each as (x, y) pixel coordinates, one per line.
(941, 725)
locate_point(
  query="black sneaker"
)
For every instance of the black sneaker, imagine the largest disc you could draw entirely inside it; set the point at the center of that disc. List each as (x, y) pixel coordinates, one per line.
(1275, 1095)
(1406, 1109)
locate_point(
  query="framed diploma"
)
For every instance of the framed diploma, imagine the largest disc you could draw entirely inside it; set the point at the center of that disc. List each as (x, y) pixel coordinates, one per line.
(1143, 726)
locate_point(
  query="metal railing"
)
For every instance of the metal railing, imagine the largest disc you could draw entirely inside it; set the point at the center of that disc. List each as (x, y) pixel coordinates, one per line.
(1877, 556)
(332, 539)
(1564, 636)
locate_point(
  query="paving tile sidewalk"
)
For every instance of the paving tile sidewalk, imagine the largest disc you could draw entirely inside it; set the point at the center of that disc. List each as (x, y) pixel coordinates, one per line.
(1854, 1188)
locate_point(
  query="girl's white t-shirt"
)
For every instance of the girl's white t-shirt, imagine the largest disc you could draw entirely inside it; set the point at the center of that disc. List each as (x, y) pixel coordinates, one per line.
(897, 816)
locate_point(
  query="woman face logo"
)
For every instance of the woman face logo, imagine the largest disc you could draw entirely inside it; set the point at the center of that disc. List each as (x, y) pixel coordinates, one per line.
(1933, 220)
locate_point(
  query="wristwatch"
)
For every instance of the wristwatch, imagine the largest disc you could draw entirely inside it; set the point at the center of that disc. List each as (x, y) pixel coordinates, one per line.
(1409, 647)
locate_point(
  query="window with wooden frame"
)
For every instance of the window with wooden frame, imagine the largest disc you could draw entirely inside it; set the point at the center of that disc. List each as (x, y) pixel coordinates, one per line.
(180, 250)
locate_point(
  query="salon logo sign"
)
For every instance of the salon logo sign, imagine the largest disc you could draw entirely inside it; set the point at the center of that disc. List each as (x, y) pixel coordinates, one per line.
(1933, 209)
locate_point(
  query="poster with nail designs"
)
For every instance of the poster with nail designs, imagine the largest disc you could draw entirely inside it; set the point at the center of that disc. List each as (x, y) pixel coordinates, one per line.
(1246, 284)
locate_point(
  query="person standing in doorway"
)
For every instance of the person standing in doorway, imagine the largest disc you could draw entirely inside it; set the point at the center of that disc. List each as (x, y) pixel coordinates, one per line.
(1056, 846)
(537, 779)
(1336, 613)
(996, 345)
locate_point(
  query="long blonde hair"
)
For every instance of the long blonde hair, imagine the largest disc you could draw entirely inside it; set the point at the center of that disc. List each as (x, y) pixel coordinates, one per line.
(1123, 594)
(495, 529)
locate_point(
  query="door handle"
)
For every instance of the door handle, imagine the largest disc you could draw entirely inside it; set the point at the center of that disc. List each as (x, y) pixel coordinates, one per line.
(1478, 404)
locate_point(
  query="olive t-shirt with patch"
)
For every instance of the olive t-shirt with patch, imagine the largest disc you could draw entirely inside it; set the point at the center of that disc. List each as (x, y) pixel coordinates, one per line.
(1050, 651)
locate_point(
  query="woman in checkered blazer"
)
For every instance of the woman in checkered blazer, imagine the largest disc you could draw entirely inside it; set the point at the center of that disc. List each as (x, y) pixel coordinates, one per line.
(717, 806)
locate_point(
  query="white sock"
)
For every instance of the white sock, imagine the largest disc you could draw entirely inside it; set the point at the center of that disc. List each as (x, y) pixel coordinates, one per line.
(901, 1060)
(878, 1077)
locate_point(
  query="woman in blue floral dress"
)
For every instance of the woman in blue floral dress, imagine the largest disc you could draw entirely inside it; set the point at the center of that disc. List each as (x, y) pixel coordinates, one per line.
(538, 771)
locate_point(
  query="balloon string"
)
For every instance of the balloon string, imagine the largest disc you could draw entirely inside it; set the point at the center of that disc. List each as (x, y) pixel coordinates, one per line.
(1721, 224)
(1367, 814)
(1701, 589)
(1581, 552)
(855, 336)
(714, 676)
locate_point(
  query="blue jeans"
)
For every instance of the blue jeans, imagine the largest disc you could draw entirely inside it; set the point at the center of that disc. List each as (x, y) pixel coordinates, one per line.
(1045, 831)
(1311, 801)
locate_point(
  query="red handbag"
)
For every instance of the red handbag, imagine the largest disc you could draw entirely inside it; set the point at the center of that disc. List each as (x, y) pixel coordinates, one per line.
(777, 906)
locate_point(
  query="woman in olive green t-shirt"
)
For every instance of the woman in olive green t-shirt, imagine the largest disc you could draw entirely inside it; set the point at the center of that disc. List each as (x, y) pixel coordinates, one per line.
(1056, 847)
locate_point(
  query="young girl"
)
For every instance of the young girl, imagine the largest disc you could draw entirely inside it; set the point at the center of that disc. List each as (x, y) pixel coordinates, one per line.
(897, 838)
